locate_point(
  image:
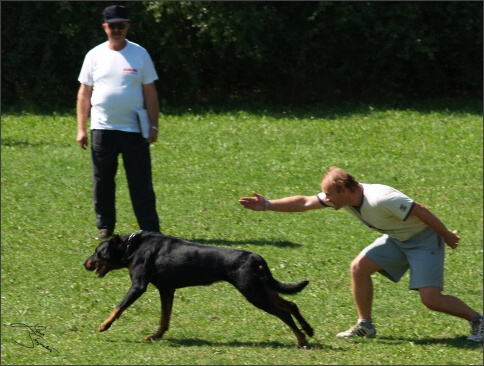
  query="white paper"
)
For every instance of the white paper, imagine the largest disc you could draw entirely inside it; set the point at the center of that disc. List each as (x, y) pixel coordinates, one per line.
(144, 122)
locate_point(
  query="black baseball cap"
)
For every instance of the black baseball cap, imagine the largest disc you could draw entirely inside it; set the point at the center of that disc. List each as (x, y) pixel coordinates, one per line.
(115, 13)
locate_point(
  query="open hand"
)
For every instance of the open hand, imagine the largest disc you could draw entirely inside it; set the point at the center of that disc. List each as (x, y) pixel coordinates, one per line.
(256, 203)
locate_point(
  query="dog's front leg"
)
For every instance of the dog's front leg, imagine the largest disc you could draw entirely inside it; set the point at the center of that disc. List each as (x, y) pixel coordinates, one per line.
(133, 294)
(107, 323)
(166, 297)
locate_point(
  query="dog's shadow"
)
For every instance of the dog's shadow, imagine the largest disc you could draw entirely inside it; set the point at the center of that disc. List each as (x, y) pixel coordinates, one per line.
(196, 342)
(223, 242)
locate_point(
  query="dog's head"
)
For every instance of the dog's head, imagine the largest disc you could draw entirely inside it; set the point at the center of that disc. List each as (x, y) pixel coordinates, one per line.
(107, 256)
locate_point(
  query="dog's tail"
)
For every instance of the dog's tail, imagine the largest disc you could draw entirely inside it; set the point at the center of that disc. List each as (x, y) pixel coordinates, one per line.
(283, 288)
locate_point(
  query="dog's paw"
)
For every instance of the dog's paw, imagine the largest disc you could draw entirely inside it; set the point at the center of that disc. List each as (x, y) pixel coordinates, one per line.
(153, 337)
(304, 345)
(309, 330)
(302, 342)
(103, 327)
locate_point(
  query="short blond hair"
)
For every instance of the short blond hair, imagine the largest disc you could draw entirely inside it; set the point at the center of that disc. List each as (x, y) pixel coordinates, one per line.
(341, 179)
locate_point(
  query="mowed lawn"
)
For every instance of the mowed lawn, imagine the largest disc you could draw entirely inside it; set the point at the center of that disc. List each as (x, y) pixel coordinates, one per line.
(204, 161)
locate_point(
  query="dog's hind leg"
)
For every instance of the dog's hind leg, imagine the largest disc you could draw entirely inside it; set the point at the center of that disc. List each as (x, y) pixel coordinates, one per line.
(292, 308)
(273, 287)
(166, 297)
(281, 308)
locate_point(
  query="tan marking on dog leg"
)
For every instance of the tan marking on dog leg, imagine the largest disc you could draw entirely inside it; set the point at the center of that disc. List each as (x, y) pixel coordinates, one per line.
(111, 318)
(301, 338)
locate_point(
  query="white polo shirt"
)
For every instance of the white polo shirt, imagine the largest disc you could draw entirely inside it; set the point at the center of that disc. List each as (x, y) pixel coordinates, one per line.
(385, 210)
(117, 78)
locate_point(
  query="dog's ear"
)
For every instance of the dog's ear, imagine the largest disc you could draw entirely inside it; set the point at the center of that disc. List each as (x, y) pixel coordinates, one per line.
(113, 245)
(114, 242)
(116, 239)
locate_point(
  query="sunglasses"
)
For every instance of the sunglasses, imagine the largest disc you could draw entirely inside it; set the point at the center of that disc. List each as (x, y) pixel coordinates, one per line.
(113, 26)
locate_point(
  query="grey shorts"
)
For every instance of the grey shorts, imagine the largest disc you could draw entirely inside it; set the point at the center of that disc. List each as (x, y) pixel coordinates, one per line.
(424, 254)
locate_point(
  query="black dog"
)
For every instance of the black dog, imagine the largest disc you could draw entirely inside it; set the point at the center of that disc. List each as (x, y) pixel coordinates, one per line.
(170, 263)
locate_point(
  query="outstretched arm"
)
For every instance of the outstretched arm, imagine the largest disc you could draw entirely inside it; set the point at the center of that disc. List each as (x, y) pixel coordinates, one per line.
(430, 219)
(287, 204)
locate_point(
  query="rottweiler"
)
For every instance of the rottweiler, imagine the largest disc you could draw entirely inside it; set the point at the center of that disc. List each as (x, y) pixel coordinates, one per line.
(170, 263)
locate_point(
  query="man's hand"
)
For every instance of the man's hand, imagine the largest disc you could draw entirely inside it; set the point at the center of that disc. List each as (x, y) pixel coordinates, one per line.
(153, 137)
(82, 139)
(256, 203)
(452, 239)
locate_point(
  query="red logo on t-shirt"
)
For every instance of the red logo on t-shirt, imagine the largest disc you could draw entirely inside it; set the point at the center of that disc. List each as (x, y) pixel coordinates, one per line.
(130, 71)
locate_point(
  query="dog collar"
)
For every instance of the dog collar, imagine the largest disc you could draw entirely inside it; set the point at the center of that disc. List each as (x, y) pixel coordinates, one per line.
(126, 253)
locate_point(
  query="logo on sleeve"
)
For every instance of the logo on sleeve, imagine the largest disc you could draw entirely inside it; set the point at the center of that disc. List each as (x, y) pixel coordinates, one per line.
(130, 71)
(403, 207)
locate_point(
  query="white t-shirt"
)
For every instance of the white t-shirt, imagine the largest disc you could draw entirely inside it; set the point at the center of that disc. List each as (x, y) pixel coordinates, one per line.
(117, 78)
(385, 210)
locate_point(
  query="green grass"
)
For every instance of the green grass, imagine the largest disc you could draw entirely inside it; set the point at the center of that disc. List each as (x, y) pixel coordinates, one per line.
(204, 162)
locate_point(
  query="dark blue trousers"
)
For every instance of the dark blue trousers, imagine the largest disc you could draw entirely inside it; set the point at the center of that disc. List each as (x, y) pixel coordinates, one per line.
(106, 146)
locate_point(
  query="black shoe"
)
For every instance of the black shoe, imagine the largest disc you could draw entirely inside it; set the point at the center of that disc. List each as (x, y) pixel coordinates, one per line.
(104, 234)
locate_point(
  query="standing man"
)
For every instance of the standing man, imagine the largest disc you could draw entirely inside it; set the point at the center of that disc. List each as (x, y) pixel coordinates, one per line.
(413, 238)
(117, 78)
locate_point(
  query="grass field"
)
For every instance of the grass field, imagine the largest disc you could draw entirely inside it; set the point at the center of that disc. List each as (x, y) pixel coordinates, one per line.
(205, 161)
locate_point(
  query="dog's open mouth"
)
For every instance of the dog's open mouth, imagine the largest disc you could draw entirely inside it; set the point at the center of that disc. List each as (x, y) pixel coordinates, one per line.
(101, 270)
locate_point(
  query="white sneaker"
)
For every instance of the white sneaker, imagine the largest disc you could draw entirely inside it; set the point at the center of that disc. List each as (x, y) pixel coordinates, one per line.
(359, 330)
(476, 331)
